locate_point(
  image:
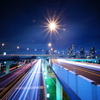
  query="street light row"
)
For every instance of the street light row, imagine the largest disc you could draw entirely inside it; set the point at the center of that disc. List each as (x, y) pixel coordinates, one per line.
(49, 44)
(18, 47)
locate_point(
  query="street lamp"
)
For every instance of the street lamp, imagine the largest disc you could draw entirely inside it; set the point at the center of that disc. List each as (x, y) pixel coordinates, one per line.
(43, 51)
(58, 52)
(51, 48)
(35, 49)
(27, 48)
(49, 44)
(3, 44)
(52, 26)
(17, 47)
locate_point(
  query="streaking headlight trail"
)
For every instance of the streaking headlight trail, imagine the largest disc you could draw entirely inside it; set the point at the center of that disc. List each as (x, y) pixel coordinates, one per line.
(29, 87)
(81, 64)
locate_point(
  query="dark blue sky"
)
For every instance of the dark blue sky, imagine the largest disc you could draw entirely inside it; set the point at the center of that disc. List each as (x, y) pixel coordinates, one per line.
(22, 21)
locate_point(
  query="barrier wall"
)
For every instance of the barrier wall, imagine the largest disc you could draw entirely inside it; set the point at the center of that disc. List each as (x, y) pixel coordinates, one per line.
(66, 76)
(98, 92)
(85, 88)
(73, 81)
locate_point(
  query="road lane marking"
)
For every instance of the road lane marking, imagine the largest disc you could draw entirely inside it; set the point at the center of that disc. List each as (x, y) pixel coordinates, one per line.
(87, 71)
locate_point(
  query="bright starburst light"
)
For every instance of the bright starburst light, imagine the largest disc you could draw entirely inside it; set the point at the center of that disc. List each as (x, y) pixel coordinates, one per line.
(52, 25)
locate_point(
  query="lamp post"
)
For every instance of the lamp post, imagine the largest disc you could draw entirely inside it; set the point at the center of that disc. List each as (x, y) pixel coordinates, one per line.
(18, 47)
(27, 49)
(35, 50)
(2, 46)
(43, 51)
(52, 26)
(49, 45)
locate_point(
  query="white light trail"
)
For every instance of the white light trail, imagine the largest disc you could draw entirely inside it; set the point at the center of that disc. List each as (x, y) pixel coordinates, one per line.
(81, 64)
(29, 87)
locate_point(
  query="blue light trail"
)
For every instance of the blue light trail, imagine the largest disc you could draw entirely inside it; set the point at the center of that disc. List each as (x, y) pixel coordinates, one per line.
(29, 88)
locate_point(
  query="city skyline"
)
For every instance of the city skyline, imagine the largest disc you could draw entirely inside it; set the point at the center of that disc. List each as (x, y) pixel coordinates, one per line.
(22, 24)
(69, 50)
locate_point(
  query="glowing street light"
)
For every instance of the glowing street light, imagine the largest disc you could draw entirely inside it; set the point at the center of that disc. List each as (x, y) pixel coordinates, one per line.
(17, 47)
(52, 26)
(27, 48)
(51, 48)
(3, 44)
(49, 44)
(42, 50)
(4, 53)
(58, 52)
(35, 49)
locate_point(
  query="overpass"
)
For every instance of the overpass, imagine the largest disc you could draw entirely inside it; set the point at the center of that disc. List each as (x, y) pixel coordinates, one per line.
(97, 56)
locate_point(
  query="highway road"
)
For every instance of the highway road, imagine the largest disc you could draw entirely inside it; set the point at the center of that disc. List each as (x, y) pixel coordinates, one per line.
(29, 87)
(7, 80)
(91, 71)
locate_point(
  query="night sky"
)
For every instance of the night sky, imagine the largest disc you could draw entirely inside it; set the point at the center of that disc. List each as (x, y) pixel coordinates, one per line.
(22, 24)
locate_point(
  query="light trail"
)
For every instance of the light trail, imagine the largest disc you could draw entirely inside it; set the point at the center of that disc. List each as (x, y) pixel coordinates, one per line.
(29, 87)
(87, 65)
(14, 75)
(91, 72)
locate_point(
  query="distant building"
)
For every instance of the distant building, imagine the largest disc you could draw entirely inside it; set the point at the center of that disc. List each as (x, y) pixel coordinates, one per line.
(82, 51)
(71, 50)
(47, 51)
(92, 52)
(68, 51)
